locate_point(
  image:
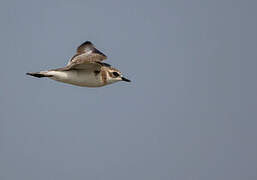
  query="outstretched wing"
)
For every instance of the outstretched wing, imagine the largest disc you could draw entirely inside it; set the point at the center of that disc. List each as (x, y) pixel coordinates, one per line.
(89, 49)
(87, 56)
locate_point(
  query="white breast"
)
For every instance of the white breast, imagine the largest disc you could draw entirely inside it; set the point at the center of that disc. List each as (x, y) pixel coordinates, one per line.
(78, 77)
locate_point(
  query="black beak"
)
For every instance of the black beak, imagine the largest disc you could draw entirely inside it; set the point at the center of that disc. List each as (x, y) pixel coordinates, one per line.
(125, 79)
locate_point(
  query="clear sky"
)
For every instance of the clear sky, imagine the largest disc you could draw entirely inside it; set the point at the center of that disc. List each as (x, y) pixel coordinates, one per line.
(188, 114)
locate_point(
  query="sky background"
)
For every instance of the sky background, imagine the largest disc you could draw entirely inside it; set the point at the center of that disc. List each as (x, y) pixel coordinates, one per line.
(188, 114)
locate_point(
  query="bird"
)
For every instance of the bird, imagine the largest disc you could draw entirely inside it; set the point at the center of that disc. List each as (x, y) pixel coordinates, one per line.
(86, 68)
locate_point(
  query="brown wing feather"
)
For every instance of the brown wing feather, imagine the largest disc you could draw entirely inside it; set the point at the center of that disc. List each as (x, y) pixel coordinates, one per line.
(87, 57)
(89, 49)
(81, 62)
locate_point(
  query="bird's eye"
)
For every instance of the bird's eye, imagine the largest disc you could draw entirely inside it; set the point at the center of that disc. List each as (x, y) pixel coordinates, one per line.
(115, 74)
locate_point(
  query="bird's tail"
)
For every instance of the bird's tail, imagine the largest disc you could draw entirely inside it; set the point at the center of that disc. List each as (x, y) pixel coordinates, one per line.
(40, 74)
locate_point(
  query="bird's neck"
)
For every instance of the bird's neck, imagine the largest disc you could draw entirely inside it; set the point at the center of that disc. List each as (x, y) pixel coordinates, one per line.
(104, 76)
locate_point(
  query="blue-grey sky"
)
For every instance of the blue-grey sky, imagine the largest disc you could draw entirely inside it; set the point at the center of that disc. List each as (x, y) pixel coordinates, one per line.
(189, 113)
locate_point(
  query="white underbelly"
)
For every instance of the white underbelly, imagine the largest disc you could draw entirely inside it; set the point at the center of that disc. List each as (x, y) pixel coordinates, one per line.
(77, 77)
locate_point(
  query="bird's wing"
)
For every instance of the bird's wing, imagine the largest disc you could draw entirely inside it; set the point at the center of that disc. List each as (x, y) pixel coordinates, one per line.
(86, 57)
(88, 48)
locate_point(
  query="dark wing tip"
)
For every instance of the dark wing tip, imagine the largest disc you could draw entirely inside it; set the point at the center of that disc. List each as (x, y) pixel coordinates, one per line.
(86, 43)
(99, 52)
(88, 46)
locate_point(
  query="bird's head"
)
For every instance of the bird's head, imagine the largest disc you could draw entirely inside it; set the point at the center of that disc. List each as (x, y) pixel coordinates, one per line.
(114, 75)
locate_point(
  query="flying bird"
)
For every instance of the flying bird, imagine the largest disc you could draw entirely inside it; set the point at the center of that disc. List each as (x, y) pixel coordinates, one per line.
(86, 68)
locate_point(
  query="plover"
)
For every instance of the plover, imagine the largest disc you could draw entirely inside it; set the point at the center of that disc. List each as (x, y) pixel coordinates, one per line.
(85, 69)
